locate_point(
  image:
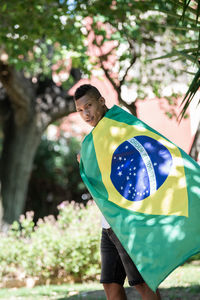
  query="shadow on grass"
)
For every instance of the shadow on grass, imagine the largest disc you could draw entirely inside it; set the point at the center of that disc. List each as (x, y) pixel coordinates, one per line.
(175, 293)
(181, 293)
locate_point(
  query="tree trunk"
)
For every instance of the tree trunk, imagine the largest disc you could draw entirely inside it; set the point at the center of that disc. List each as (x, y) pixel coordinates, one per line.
(195, 149)
(20, 144)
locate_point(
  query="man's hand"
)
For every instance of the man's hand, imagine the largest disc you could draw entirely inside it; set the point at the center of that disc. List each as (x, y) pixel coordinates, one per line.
(78, 157)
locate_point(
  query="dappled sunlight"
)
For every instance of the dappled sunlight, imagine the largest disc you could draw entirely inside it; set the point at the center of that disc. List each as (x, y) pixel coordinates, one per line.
(197, 178)
(152, 195)
(116, 131)
(195, 189)
(173, 233)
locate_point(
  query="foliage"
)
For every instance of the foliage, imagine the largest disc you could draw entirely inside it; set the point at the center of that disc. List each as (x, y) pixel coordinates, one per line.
(35, 35)
(139, 31)
(55, 176)
(66, 248)
(149, 30)
(186, 15)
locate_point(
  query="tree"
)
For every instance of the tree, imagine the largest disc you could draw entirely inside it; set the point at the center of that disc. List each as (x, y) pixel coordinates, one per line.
(34, 36)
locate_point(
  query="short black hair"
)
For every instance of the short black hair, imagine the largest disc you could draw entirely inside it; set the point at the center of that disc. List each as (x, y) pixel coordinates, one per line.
(87, 89)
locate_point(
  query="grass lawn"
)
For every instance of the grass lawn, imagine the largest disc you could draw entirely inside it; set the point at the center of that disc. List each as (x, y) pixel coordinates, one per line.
(182, 284)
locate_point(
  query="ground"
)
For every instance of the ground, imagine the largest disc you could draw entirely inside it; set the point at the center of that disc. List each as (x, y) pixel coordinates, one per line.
(179, 293)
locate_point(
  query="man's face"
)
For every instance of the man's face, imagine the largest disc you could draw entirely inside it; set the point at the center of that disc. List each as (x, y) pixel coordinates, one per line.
(91, 110)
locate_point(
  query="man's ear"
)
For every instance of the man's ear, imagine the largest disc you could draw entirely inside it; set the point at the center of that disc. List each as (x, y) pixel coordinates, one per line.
(102, 101)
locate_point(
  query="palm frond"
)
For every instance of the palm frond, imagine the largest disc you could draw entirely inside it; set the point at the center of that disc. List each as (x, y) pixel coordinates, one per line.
(185, 28)
(188, 42)
(179, 53)
(185, 5)
(198, 53)
(193, 88)
(198, 11)
(188, 72)
(174, 15)
(190, 21)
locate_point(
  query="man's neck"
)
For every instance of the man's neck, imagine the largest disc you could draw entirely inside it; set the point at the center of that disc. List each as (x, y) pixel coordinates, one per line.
(105, 111)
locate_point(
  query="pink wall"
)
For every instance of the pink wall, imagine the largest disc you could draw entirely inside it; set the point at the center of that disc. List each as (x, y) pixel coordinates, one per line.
(152, 112)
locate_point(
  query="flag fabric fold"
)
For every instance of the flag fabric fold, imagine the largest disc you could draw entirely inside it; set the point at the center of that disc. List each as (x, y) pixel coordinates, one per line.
(147, 188)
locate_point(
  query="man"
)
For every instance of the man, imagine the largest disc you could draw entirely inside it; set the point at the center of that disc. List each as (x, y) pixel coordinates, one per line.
(116, 263)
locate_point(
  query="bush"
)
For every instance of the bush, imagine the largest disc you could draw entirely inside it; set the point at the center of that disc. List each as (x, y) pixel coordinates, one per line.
(65, 249)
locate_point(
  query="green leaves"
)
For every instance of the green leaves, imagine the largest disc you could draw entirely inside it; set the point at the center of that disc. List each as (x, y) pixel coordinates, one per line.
(26, 27)
(64, 248)
(37, 34)
(187, 13)
(193, 88)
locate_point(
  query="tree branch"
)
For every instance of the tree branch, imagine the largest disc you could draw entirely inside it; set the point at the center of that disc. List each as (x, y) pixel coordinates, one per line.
(108, 75)
(102, 58)
(132, 50)
(52, 103)
(131, 107)
(195, 149)
(20, 92)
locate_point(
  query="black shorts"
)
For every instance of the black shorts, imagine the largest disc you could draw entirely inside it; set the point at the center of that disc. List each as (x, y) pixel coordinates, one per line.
(116, 264)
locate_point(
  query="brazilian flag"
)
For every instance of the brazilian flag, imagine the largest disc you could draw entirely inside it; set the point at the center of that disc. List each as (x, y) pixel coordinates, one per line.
(147, 188)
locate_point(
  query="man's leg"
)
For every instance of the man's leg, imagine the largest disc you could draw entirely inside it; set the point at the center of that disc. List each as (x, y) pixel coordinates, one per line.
(114, 291)
(146, 293)
(112, 269)
(134, 277)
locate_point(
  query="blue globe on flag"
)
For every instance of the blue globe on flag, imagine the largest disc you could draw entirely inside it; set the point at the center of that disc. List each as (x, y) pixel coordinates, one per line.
(139, 167)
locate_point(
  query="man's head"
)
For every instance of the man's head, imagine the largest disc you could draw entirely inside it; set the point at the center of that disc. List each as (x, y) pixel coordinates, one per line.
(90, 104)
